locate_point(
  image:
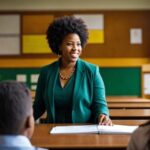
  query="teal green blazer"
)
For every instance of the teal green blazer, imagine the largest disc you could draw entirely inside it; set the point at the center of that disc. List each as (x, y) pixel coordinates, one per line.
(88, 96)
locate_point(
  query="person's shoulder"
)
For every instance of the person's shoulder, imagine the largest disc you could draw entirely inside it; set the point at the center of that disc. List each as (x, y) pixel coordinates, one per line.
(142, 134)
(38, 148)
(48, 67)
(20, 148)
(143, 129)
(88, 64)
(88, 67)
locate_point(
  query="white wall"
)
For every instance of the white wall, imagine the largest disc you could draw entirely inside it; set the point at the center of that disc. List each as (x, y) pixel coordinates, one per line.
(25, 5)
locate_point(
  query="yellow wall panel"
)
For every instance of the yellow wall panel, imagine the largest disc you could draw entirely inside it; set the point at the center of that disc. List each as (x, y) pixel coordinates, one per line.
(34, 44)
(36, 24)
(96, 36)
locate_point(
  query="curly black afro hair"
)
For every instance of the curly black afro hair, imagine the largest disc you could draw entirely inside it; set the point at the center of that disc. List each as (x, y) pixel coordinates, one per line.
(61, 27)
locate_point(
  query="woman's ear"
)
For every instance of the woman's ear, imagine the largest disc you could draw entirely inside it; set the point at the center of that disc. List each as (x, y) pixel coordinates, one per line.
(29, 126)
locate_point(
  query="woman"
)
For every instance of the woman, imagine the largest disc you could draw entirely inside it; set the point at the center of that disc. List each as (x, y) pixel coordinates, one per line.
(70, 89)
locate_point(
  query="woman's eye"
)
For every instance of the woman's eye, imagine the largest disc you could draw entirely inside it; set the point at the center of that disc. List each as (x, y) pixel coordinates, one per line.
(69, 44)
(72, 44)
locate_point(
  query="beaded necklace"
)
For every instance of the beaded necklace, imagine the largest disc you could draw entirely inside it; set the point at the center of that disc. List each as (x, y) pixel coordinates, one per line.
(66, 77)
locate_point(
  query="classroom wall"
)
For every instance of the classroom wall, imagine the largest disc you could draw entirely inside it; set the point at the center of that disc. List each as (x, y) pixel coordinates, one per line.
(74, 4)
(115, 71)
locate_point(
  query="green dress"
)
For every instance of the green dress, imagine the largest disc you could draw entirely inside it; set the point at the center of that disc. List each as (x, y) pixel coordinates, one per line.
(63, 101)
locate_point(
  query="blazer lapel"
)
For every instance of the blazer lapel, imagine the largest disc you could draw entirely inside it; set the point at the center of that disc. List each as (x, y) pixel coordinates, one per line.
(78, 80)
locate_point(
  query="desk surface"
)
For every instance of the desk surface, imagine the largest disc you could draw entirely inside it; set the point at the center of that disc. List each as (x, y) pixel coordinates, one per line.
(130, 113)
(42, 138)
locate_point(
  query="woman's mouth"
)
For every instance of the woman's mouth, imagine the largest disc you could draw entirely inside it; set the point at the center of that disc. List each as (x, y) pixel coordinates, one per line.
(74, 55)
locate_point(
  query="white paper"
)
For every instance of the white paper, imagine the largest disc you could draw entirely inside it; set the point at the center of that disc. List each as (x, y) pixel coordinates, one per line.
(34, 78)
(136, 36)
(115, 129)
(21, 78)
(33, 87)
(74, 129)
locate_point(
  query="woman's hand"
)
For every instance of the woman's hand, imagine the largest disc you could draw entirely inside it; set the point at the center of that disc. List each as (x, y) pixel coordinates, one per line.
(104, 120)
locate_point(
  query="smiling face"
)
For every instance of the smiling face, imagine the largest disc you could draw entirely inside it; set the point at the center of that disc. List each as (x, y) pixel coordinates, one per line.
(71, 48)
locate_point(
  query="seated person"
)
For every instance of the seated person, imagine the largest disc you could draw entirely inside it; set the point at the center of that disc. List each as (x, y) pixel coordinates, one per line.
(16, 117)
(140, 139)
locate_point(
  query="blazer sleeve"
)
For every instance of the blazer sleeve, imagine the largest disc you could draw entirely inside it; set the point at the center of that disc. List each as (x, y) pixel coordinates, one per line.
(99, 98)
(38, 105)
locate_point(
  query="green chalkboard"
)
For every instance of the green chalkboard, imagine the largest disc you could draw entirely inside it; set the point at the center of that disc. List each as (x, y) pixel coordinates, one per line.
(118, 81)
(11, 74)
(122, 81)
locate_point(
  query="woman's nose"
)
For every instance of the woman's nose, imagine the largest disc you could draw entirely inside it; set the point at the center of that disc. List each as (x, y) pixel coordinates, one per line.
(74, 48)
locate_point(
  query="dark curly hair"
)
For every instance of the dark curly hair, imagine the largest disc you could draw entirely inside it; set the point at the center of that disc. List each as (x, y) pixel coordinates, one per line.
(61, 27)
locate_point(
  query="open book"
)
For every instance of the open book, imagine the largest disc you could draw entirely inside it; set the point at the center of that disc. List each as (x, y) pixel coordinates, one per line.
(101, 129)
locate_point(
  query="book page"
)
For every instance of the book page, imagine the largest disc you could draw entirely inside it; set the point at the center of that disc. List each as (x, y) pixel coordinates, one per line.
(116, 129)
(74, 129)
(102, 129)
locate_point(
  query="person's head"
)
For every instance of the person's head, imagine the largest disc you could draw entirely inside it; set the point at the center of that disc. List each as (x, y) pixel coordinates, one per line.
(67, 35)
(16, 114)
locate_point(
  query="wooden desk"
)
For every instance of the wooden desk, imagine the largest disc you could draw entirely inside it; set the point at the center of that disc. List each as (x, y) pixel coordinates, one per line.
(115, 102)
(130, 114)
(127, 102)
(120, 114)
(123, 98)
(42, 138)
(127, 99)
(129, 122)
(128, 105)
